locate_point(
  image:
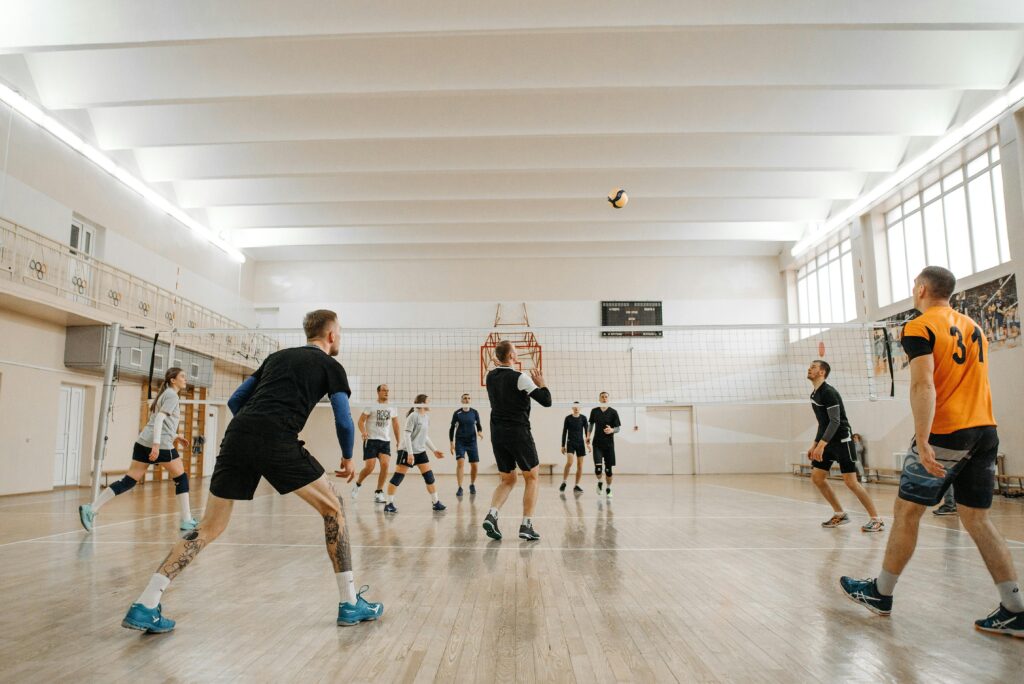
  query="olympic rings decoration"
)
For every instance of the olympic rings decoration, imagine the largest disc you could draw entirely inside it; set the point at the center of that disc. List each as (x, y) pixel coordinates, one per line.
(79, 283)
(191, 324)
(144, 308)
(37, 267)
(169, 316)
(114, 296)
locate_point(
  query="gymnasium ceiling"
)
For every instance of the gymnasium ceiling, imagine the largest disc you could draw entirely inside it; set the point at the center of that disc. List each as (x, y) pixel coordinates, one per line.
(317, 129)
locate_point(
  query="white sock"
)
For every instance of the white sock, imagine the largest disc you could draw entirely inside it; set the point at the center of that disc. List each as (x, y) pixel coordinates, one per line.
(183, 507)
(527, 522)
(434, 497)
(565, 482)
(493, 512)
(346, 586)
(104, 496)
(391, 498)
(150, 597)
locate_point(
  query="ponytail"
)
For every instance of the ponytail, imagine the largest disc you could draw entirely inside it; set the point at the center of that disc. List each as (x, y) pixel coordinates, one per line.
(170, 375)
(420, 399)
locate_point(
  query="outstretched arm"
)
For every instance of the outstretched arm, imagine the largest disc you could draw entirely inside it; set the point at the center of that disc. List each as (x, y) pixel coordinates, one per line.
(242, 394)
(343, 423)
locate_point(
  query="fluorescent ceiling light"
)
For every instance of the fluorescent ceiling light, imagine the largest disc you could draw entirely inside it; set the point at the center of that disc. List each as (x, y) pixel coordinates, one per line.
(987, 116)
(37, 116)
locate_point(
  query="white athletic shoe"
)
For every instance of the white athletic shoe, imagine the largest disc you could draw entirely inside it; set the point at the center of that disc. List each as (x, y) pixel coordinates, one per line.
(355, 491)
(378, 497)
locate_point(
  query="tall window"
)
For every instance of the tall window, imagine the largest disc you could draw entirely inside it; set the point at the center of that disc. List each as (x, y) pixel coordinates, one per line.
(957, 221)
(83, 238)
(824, 286)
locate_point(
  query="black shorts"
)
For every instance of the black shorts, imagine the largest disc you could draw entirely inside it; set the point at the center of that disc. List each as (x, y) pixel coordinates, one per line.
(249, 453)
(604, 453)
(513, 447)
(373, 448)
(969, 457)
(842, 453)
(416, 459)
(141, 453)
(467, 450)
(578, 449)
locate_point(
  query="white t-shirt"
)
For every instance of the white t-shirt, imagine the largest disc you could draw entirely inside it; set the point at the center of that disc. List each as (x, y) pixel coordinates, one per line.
(167, 406)
(378, 425)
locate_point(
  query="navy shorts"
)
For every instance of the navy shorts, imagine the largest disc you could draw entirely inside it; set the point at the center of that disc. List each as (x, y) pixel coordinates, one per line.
(579, 449)
(415, 460)
(141, 453)
(373, 448)
(969, 457)
(842, 453)
(467, 450)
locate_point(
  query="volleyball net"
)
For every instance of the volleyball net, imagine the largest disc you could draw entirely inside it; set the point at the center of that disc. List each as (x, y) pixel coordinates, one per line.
(637, 366)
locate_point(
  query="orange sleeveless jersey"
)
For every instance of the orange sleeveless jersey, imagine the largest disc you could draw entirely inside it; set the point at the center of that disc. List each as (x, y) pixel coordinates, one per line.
(963, 398)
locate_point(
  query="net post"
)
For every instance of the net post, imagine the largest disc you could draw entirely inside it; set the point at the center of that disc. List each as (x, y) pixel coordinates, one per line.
(869, 361)
(106, 399)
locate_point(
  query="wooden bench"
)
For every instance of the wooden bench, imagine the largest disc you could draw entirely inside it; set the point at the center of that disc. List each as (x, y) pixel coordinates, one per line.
(550, 466)
(1010, 484)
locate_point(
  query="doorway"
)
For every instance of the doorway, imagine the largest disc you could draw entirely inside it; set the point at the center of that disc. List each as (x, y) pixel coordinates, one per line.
(670, 441)
(68, 454)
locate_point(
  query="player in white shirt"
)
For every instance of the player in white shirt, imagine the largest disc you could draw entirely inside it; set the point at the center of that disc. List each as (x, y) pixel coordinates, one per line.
(376, 425)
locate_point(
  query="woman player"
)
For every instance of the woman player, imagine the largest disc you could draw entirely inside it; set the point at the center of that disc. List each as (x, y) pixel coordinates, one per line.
(416, 443)
(157, 443)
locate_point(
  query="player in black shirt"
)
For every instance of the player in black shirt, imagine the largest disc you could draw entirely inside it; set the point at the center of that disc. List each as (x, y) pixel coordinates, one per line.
(833, 442)
(270, 409)
(509, 392)
(604, 423)
(575, 444)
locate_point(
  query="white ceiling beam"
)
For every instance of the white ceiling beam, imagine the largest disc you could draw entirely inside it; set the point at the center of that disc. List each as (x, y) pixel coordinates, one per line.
(858, 153)
(491, 211)
(955, 60)
(561, 112)
(57, 24)
(533, 233)
(515, 249)
(521, 185)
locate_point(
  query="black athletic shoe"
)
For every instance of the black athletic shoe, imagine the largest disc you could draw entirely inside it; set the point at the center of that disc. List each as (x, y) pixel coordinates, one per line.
(577, 490)
(491, 527)
(562, 488)
(528, 533)
(600, 486)
(1002, 621)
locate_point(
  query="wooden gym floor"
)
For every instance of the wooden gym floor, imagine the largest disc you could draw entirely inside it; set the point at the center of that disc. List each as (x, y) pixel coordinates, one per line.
(713, 578)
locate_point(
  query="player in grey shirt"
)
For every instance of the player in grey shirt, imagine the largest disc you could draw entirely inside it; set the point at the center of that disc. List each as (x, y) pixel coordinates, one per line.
(157, 443)
(416, 443)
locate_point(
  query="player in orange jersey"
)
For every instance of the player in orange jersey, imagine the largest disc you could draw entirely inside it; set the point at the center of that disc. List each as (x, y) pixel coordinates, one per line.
(955, 443)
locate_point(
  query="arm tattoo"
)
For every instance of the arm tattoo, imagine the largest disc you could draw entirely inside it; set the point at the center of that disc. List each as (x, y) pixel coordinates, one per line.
(183, 553)
(336, 536)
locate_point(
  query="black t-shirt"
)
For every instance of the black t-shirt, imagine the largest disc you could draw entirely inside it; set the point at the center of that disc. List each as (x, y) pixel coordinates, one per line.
(290, 383)
(822, 399)
(573, 429)
(509, 392)
(599, 420)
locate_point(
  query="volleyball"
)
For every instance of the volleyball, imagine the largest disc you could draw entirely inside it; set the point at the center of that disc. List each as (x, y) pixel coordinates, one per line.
(618, 198)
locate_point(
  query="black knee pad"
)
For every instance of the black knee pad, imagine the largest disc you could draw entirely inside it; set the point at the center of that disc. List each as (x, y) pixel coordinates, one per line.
(124, 484)
(608, 471)
(428, 477)
(181, 484)
(397, 478)
(597, 470)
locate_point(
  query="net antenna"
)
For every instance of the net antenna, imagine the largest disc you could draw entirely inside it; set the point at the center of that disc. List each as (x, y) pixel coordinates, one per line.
(511, 323)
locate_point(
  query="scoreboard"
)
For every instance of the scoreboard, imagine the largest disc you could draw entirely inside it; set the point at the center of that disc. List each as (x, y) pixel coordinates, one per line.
(621, 314)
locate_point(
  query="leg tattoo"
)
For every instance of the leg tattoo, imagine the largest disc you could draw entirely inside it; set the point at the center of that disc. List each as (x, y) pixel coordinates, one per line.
(183, 553)
(336, 536)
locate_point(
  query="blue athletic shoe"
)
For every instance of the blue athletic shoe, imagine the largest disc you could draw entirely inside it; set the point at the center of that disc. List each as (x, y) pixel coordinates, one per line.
(86, 515)
(438, 506)
(189, 525)
(147, 619)
(390, 508)
(865, 592)
(459, 493)
(1002, 621)
(472, 490)
(362, 611)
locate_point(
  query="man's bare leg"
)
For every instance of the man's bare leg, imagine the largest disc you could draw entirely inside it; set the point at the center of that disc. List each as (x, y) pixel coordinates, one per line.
(385, 465)
(530, 492)
(850, 479)
(820, 479)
